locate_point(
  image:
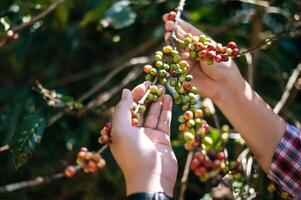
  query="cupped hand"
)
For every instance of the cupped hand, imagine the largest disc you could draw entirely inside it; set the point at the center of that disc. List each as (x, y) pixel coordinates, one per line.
(144, 153)
(210, 80)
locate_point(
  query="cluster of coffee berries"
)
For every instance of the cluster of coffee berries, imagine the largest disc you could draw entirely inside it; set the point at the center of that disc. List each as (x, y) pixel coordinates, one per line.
(152, 95)
(235, 169)
(194, 129)
(208, 165)
(11, 35)
(203, 48)
(105, 134)
(58, 100)
(161, 67)
(169, 64)
(90, 162)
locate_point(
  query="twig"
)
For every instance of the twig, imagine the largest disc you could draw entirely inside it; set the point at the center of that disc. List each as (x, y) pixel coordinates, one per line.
(172, 38)
(261, 3)
(36, 18)
(103, 97)
(141, 49)
(287, 32)
(41, 180)
(106, 95)
(289, 86)
(25, 184)
(54, 118)
(216, 121)
(184, 178)
(101, 83)
(172, 41)
(263, 43)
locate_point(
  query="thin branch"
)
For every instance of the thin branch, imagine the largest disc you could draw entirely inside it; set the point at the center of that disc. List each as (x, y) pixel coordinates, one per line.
(38, 17)
(172, 38)
(216, 120)
(184, 178)
(287, 32)
(104, 81)
(30, 183)
(263, 43)
(261, 3)
(103, 97)
(141, 49)
(288, 88)
(41, 180)
(55, 118)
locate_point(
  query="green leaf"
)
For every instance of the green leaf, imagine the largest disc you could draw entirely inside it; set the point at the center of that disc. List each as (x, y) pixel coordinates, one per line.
(120, 15)
(95, 14)
(62, 13)
(26, 137)
(21, 103)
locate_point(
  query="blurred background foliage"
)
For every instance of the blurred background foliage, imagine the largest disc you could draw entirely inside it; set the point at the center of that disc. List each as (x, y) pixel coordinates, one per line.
(90, 43)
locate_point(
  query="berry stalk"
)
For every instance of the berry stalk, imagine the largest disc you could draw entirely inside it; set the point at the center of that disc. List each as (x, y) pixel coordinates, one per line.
(176, 16)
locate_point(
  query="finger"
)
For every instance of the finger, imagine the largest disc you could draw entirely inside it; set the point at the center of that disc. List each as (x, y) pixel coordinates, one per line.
(184, 55)
(165, 116)
(169, 25)
(122, 114)
(165, 17)
(157, 137)
(189, 28)
(166, 36)
(152, 118)
(180, 33)
(140, 90)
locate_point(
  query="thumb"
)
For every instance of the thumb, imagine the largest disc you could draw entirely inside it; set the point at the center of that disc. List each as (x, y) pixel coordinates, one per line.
(126, 99)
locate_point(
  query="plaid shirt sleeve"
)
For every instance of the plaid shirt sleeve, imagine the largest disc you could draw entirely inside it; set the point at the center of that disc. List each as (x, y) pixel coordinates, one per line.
(285, 168)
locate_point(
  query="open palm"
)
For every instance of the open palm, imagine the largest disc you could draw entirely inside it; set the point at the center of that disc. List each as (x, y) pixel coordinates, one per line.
(144, 151)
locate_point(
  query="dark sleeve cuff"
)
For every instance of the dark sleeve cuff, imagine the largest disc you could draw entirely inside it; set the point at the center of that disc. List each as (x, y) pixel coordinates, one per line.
(149, 196)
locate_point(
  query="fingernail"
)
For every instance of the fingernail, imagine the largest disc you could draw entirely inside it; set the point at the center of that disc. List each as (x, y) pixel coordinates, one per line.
(125, 93)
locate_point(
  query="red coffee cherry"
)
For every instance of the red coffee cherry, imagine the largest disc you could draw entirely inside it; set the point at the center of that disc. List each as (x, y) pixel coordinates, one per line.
(171, 15)
(70, 171)
(200, 171)
(220, 156)
(83, 149)
(232, 45)
(188, 115)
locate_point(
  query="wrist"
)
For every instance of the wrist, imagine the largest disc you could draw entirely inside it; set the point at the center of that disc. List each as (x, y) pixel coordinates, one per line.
(148, 182)
(231, 89)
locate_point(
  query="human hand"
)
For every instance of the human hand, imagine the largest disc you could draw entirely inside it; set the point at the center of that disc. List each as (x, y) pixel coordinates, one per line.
(144, 153)
(243, 107)
(211, 80)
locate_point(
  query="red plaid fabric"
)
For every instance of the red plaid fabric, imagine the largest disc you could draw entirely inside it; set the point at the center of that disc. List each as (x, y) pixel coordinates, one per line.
(285, 168)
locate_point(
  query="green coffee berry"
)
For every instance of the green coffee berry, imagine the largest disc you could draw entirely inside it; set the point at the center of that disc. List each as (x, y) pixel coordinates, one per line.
(159, 64)
(153, 72)
(148, 77)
